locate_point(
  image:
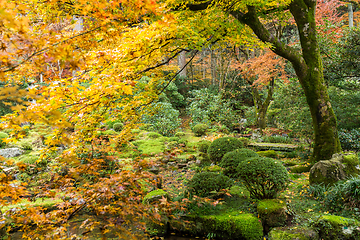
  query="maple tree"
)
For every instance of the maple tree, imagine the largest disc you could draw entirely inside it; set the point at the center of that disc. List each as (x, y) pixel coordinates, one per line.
(261, 72)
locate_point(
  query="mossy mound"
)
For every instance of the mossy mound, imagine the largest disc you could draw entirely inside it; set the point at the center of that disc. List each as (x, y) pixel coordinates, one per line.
(155, 195)
(227, 226)
(331, 227)
(272, 212)
(293, 233)
(231, 160)
(268, 153)
(300, 168)
(339, 167)
(219, 147)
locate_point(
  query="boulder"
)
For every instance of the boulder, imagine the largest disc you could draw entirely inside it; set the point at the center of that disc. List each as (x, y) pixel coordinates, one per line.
(273, 213)
(11, 152)
(231, 226)
(293, 233)
(331, 227)
(339, 167)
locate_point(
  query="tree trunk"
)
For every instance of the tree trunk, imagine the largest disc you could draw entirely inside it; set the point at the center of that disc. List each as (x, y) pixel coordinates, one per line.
(182, 64)
(351, 15)
(309, 70)
(261, 107)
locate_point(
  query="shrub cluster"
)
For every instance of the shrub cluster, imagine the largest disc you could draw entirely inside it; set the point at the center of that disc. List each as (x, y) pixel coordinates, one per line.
(219, 147)
(205, 182)
(263, 177)
(349, 139)
(118, 126)
(341, 195)
(231, 160)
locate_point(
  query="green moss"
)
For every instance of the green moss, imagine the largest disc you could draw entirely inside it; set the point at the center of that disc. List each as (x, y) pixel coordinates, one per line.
(272, 212)
(155, 195)
(331, 227)
(154, 135)
(268, 153)
(295, 233)
(212, 168)
(179, 134)
(300, 168)
(228, 226)
(152, 146)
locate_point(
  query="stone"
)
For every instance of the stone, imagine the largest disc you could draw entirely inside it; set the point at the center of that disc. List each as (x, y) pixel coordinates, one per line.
(332, 227)
(293, 233)
(272, 212)
(155, 195)
(11, 152)
(339, 167)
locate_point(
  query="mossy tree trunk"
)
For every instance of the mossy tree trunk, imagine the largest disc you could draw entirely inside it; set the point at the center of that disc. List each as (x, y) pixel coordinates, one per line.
(261, 106)
(308, 68)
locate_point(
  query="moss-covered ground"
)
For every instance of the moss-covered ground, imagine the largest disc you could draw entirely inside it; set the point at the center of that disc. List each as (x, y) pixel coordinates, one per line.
(304, 208)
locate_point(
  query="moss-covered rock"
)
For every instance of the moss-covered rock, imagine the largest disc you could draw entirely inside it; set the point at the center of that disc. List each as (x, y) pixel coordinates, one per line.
(331, 227)
(300, 168)
(293, 233)
(155, 195)
(272, 212)
(268, 153)
(228, 226)
(339, 167)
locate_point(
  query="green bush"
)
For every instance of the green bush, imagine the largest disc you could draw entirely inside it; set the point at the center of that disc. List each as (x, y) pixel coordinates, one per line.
(343, 194)
(263, 177)
(203, 146)
(2, 137)
(200, 129)
(219, 147)
(203, 183)
(231, 160)
(208, 107)
(165, 119)
(110, 123)
(118, 126)
(349, 139)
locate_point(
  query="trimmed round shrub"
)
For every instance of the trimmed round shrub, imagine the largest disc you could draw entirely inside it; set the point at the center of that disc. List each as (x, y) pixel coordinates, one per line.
(205, 182)
(200, 129)
(118, 126)
(231, 160)
(220, 146)
(3, 136)
(203, 146)
(263, 177)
